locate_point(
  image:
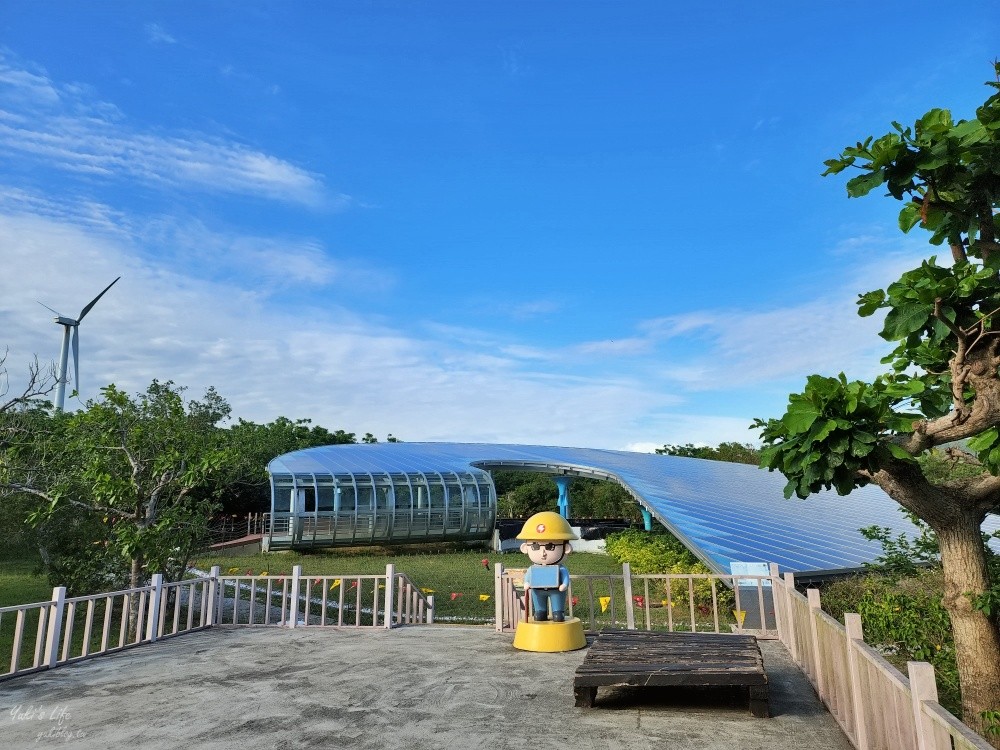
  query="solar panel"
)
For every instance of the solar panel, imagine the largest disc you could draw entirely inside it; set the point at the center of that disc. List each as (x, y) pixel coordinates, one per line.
(723, 512)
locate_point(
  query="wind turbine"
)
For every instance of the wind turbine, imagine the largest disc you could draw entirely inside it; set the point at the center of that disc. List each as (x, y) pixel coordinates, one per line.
(68, 325)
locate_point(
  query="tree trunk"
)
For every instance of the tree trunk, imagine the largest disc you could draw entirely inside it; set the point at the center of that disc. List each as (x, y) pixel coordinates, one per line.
(977, 638)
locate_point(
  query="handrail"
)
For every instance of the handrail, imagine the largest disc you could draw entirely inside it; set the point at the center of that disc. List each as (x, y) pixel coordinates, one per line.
(297, 600)
(68, 629)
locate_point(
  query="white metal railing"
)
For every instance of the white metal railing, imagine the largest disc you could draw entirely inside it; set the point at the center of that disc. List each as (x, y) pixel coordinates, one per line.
(67, 629)
(876, 706)
(696, 602)
(381, 600)
(43, 635)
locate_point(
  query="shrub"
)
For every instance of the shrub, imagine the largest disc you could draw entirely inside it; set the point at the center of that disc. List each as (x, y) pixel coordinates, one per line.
(649, 552)
(905, 619)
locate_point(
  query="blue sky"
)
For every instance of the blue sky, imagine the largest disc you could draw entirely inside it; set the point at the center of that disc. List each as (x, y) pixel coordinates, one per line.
(576, 223)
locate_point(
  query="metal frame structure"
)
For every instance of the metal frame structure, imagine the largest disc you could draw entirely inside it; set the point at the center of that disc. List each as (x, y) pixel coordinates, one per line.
(724, 513)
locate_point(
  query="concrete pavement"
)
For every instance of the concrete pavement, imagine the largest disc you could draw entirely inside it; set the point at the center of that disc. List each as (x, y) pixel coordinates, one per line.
(417, 687)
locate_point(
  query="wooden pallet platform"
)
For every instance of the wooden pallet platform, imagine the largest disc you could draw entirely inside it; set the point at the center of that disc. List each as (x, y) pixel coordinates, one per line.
(638, 658)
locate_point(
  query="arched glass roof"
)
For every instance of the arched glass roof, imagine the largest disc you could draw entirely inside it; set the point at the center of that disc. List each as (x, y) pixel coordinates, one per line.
(722, 512)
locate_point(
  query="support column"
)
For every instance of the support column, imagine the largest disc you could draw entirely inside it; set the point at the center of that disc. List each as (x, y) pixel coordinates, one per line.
(647, 519)
(563, 484)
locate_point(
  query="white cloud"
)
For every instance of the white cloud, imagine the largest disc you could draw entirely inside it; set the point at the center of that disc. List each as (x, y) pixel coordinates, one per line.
(63, 126)
(338, 369)
(156, 34)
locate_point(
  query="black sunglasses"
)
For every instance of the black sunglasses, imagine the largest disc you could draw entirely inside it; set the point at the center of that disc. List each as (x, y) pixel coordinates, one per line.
(535, 546)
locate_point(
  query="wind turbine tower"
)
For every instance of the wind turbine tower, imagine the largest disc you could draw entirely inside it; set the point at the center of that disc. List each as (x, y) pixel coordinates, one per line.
(71, 330)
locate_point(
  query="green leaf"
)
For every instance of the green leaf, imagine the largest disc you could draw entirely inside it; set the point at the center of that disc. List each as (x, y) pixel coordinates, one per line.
(984, 440)
(906, 319)
(860, 450)
(909, 216)
(935, 121)
(820, 431)
(834, 166)
(800, 416)
(898, 452)
(865, 183)
(790, 488)
(869, 302)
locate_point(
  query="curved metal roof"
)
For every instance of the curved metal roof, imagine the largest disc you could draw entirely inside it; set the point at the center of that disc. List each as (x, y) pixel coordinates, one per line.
(722, 512)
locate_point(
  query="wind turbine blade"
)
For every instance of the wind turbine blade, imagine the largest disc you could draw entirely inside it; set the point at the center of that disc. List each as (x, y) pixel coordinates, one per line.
(76, 359)
(49, 308)
(93, 302)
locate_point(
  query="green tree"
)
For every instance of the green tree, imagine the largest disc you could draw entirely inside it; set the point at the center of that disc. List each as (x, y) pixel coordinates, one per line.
(24, 415)
(740, 453)
(125, 470)
(942, 384)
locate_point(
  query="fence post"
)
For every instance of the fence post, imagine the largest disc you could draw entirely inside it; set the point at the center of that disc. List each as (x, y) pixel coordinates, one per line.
(153, 619)
(814, 607)
(390, 585)
(779, 606)
(793, 642)
(498, 595)
(629, 602)
(430, 609)
(293, 621)
(855, 633)
(214, 596)
(922, 688)
(54, 629)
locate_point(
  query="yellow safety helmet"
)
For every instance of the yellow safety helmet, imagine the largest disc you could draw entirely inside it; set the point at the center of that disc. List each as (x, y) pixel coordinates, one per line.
(547, 527)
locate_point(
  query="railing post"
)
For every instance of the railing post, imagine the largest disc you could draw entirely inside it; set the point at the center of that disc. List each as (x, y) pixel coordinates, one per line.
(153, 618)
(54, 629)
(498, 597)
(430, 609)
(293, 605)
(922, 688)
(629, 603)
(852, 623)
(390, 578)
(814, 607)
(214, 596)
(779, 606)
(793, 642)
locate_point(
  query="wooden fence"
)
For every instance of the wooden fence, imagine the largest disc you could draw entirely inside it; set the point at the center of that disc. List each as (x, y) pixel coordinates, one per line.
(876, 706)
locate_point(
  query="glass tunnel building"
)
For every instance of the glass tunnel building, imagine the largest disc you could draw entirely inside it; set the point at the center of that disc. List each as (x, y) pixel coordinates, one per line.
(397, 493)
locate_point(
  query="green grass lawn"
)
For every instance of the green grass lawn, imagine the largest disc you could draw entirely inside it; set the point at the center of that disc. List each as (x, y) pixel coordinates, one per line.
(461, 573)
(18, 582)
(20, 585)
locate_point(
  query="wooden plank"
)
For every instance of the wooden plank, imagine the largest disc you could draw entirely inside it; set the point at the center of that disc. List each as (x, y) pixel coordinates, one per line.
(620, 658)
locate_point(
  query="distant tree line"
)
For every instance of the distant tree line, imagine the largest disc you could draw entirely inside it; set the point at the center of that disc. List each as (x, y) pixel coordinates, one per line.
(126, 486)
(738, 453)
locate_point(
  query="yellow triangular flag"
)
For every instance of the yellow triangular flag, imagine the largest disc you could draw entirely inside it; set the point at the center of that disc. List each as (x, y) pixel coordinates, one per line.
(484, 597)
(605, 601)
(334, 584)
(428, 591)
(740, 615)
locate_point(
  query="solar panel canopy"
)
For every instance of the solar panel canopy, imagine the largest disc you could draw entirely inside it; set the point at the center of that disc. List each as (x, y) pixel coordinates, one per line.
(723, 512)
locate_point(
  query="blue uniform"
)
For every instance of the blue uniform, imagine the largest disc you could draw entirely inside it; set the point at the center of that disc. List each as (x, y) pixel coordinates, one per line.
(541, 598)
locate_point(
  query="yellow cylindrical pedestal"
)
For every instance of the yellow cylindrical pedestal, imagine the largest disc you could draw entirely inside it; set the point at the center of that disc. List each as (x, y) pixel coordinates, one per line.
(550, 637)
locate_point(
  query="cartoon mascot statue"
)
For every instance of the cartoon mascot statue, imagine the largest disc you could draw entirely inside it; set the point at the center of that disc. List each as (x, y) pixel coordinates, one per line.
(545, 540)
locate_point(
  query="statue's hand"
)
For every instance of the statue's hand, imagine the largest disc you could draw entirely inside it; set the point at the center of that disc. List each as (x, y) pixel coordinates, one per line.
(562, 586)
